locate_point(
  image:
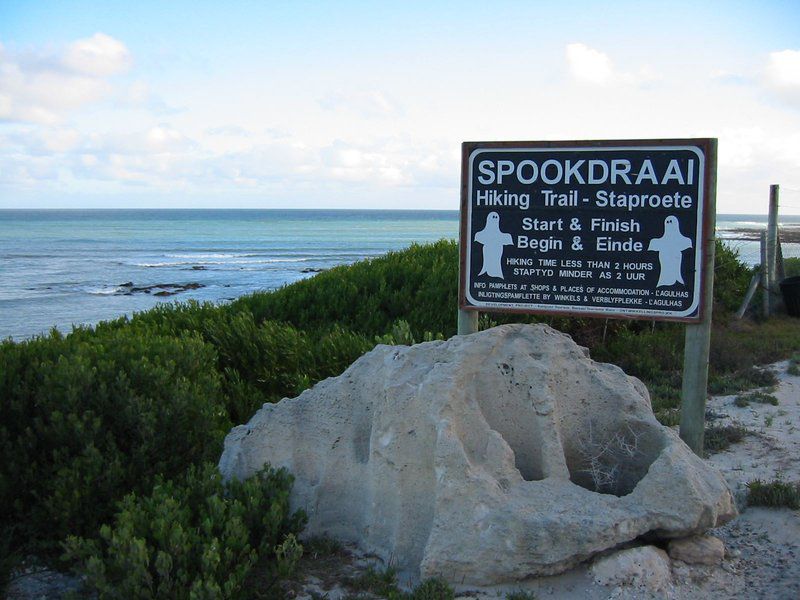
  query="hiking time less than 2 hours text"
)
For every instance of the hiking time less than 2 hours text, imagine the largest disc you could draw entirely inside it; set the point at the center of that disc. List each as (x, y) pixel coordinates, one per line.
(605, 228)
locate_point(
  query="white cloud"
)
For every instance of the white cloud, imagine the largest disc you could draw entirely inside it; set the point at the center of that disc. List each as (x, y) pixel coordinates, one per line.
(229, 130)
(388, 163)
(371, 103)
(44, 89)
(138, 93)
(783, 68)
(783, 74)
(163, 138)
(97, 56)
(590, 66)
(740, 147)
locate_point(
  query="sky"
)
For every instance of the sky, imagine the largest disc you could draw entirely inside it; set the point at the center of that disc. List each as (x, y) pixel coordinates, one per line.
(273, 104)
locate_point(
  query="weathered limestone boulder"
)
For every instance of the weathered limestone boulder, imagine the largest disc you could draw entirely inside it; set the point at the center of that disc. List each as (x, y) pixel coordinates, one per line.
(644, 567)
(484, 459)
(698, 550)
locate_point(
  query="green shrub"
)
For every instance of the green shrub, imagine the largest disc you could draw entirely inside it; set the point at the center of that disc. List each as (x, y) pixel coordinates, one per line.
(794, 365)
(521, 595)
(742, 379)
(731, 280)
(192, 538)
(380, 583)
(718, 437)
(775, 493)
(383, 584)
(418, 285)
(669, 417)
(433, 589)
(758, 397)
(86, 419)
(791, 266)
(267, 359)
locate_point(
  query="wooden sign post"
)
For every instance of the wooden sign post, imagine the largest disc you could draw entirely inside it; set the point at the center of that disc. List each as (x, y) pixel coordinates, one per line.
(698, 336)
(610, 229)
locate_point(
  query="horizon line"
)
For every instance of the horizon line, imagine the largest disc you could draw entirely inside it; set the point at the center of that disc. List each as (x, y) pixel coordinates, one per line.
(152, 209)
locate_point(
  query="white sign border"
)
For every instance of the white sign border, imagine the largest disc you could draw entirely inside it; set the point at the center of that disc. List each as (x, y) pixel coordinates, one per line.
(610, 310)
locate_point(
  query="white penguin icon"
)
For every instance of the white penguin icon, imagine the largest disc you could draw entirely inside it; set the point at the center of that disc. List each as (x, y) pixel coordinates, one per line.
(493, 241)
(670, 247)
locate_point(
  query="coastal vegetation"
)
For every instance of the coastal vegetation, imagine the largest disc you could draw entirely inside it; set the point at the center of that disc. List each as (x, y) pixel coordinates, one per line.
(108, 435)
(776, 493)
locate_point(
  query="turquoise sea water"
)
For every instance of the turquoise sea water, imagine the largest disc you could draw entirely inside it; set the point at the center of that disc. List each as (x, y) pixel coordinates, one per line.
(59, 268)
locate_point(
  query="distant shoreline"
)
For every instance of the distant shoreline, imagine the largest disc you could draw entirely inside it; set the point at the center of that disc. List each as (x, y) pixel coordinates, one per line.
(788, 234)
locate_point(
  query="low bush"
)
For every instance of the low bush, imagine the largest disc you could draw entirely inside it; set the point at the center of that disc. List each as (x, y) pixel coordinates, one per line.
(776, 494)
(419, 285)
(742, 379)
(86, 419)
(194, 537)
(758, 397)
(383, 584)
(731, 280)
(719, 437)
(794, 365)
(433, 589)
(521, 595)
(791, 266)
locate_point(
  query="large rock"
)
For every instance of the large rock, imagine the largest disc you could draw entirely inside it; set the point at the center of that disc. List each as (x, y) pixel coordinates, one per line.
(483, 459)
(698, 550)
(645, 567)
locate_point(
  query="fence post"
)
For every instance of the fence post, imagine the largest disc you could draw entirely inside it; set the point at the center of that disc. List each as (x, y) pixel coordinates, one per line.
(772, 250)
(765, 295)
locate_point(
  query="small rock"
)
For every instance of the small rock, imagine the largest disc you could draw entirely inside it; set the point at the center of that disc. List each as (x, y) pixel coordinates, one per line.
(698, 550)
(645, 566)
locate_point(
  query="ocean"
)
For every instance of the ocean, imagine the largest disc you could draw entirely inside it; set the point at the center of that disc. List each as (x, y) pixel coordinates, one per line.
(60, 268)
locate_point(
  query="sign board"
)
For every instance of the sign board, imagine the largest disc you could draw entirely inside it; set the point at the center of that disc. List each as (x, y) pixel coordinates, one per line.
(598, 228)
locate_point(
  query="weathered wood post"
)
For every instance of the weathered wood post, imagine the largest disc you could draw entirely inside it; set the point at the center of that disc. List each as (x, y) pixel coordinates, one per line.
(772, 251)
(698, 335)
(467, 321)
(748, 297)
(765, 283)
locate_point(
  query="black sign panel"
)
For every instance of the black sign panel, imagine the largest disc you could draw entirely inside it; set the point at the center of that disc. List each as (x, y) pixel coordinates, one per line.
(611, 229)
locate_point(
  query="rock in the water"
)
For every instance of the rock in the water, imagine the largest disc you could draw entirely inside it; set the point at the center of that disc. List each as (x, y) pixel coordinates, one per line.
(647, 567)
(485, 458)
(158, 289)
(698, 550)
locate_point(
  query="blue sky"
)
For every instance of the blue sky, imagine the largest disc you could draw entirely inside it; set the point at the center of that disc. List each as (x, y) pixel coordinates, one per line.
(364, 104)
